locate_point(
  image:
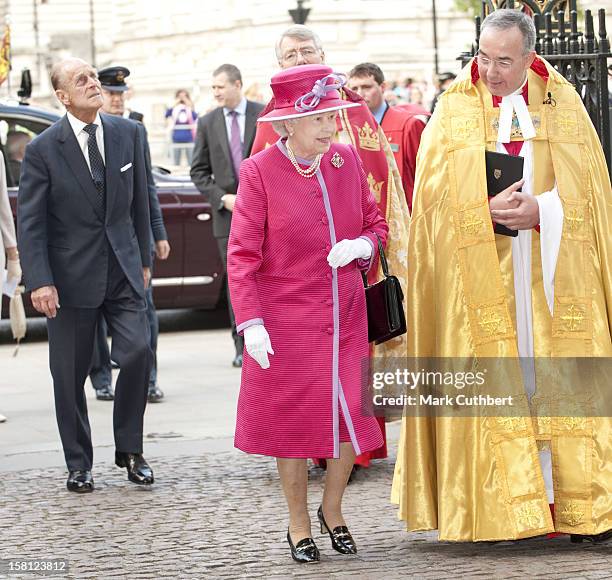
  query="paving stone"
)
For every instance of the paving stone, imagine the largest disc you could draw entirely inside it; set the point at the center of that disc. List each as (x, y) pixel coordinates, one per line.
(222, 515)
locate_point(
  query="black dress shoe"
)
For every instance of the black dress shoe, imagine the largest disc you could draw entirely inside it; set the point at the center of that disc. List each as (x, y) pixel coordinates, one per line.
(341, 538)
(237, 362)
(105, 393)
(80, 481)
(138, 469)
(594, 539)
(305, 552)
(155, 394)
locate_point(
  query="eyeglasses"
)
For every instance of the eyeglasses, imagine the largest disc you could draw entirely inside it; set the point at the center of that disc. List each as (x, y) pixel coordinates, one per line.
(502, 63)
(307, 54)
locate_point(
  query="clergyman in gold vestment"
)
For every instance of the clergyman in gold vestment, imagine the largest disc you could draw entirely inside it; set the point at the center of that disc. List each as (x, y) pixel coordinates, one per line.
(544, 294)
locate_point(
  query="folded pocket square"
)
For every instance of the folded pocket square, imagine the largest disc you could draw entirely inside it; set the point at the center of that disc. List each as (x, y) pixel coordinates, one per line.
(125, 167)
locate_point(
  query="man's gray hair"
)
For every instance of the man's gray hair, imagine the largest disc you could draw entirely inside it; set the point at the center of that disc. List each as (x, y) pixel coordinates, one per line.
(507, 18)
(300, 32)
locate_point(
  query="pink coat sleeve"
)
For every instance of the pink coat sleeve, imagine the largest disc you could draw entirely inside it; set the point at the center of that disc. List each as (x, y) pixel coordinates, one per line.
(373, 222)
(244, 252)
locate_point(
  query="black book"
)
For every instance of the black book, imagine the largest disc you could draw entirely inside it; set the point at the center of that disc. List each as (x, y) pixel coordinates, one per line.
(502, 171)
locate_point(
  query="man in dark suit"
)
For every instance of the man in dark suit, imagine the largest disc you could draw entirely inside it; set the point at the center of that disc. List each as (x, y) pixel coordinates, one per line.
(224, 138)
(112, 80)
(84, 238)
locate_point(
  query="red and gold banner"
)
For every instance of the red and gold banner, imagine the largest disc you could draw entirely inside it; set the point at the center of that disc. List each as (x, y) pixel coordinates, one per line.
(5, 54)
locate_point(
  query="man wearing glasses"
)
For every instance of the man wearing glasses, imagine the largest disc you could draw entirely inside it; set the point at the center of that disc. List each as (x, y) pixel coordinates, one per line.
(539, 296)
(297, 46)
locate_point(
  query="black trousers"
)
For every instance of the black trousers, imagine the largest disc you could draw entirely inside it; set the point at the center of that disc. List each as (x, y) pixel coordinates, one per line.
(71, 341)
(100, 373)
(238, 339)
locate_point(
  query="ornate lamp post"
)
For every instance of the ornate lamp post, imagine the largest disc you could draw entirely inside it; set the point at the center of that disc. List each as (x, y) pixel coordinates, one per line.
(299, 15)
(435, 34)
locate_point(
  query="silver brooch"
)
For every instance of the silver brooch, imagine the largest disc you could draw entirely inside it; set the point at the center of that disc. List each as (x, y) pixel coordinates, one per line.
(337, 161)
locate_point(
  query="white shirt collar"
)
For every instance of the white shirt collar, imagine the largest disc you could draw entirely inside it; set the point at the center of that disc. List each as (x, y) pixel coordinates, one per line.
(514, 103)
(240, 109)
(78, 125)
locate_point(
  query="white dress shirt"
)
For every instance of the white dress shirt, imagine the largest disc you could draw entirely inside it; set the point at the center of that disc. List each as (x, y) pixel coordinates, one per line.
(241, 110)
(82, 136)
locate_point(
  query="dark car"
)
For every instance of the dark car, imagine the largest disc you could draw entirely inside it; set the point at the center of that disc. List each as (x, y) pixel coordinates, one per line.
(193, 275)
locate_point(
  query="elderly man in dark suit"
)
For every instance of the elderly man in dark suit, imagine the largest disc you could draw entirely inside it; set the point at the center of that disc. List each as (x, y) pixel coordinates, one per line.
(224, 138)
(84, 238)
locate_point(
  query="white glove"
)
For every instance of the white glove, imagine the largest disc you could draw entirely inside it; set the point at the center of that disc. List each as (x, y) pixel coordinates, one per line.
(257, 343)
(13, 270)
(346, 251)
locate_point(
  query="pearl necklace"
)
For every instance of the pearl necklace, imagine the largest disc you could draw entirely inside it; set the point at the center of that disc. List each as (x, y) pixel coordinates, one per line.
(311, 171)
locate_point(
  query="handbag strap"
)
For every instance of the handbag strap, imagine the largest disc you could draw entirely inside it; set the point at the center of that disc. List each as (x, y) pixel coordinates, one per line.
(383, 257)
(383, 262)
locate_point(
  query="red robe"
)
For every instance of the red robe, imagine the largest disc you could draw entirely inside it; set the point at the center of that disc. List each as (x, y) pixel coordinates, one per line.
(403, 125)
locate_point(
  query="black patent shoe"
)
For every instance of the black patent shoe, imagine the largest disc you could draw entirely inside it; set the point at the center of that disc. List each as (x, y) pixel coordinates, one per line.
(594, 539)
(138, 469)
(305, 552)
(105, 393)
(340, 537)
(155, 394)
(80, 481)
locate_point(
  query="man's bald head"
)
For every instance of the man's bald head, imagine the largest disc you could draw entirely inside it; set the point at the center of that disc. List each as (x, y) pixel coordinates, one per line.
(59, 70)
(77, 87)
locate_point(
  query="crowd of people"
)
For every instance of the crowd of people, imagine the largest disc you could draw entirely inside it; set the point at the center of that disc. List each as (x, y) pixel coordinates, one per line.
(181, 118)
(305, 191)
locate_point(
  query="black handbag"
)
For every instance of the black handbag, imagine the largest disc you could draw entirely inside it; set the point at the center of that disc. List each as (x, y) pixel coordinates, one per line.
(384, 301)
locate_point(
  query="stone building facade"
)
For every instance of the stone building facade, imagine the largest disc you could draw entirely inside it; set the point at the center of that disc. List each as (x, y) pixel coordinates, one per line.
(171, 45)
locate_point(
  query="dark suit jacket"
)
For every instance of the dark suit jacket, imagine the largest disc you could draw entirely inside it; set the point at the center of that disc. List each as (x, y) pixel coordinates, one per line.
(63, 239)
(158, 229)
(212, 170)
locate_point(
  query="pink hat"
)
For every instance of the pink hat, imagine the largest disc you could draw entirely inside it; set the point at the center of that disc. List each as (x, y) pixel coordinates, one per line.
(306, 90)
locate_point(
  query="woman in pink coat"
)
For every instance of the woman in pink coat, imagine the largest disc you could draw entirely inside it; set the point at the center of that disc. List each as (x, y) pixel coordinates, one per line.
(304, 227)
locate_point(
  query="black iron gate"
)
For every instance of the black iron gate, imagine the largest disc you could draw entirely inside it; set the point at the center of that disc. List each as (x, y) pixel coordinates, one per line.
(581, 57)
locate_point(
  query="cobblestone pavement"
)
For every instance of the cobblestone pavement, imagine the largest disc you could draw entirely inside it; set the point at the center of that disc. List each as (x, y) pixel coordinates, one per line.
(222, 516)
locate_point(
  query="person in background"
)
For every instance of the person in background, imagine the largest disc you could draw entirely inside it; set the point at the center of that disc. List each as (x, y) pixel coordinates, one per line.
(254, 93)
(225, 137)
(16, 142)
(402, 125)
(9, 256)
(182, 120)
(112, 80)
(391, 98)
(443, 82)
(416, 96)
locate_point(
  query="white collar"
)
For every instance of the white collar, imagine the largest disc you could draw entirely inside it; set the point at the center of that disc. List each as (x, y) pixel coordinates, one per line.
(78, 125)
(514, 103)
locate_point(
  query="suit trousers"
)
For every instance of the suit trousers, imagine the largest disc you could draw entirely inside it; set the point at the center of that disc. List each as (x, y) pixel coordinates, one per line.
(71, 340)
(238, 339)
(100, 373)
